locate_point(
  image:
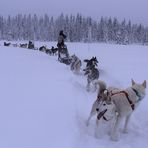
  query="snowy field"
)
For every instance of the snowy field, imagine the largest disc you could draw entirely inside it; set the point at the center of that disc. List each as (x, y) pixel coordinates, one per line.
(44, 105)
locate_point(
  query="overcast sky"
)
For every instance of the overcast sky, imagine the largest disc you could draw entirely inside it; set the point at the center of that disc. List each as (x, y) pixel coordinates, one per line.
(135, 10)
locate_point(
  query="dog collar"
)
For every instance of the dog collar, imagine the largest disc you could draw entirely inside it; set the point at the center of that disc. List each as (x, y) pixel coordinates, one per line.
(137, 94)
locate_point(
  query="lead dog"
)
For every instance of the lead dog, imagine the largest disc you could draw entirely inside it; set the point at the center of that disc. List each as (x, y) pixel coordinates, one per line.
(124, 103)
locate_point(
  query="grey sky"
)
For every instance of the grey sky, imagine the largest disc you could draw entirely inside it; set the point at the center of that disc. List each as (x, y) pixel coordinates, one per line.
(135, 10)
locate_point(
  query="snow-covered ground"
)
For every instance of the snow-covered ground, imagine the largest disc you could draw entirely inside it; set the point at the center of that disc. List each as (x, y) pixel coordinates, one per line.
(44, 105)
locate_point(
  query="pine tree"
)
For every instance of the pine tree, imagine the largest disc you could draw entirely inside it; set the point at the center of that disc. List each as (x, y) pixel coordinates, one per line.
(77, 28)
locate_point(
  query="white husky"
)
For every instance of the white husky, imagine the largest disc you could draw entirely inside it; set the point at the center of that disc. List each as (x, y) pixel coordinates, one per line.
(123, 103)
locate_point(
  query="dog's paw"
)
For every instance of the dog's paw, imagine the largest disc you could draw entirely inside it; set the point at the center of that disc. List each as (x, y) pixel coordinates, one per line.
(114, 138)
(125, 131)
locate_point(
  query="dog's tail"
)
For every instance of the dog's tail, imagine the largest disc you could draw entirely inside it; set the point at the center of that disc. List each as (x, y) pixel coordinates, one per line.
(102, 86)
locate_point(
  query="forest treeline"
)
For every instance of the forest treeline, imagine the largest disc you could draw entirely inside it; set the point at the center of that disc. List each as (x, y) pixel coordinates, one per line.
(77, 28)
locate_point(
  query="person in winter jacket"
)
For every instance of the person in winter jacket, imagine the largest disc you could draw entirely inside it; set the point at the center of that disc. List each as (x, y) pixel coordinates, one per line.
(61, 46)
(61, 39)
(30, 45)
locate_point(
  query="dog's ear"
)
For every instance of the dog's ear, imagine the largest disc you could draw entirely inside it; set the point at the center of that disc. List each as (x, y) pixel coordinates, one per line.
(133, 82)
(144, 84)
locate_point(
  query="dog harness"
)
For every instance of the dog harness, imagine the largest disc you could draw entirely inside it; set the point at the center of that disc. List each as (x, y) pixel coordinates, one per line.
(127, 96)
(104, 118)
(102, 114)
(130, 102)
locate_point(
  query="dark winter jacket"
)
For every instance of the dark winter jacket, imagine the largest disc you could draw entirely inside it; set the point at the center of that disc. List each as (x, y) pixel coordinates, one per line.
(61, 39)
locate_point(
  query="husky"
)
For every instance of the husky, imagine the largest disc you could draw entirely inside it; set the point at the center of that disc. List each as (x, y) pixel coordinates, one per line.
(126, 102)
(48, 51)
(75, 64)
(92, 76)
(54, 50)
(102, 95)
(42, 48)
(123, 102)
(24, 45)
(92, 62)
(7, 44)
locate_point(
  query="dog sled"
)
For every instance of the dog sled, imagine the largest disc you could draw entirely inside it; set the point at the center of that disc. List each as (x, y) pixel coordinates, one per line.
(65, 60)
(63, 55)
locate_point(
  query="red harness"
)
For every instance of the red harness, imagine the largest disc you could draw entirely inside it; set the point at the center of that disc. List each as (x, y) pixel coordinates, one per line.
(127, 96)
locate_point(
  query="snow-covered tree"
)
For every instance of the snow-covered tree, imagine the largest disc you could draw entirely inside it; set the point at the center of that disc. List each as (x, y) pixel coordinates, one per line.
(77, 28)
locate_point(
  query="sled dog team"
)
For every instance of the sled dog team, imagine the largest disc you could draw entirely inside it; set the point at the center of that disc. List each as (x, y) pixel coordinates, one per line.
(112, 104)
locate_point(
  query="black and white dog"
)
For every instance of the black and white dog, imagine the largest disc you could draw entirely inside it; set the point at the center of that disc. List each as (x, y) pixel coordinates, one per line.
(92, 72)
(24, 45)
(54, 50)
(42, 48)
(6, 44)
(92, 76)
(92, 62)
